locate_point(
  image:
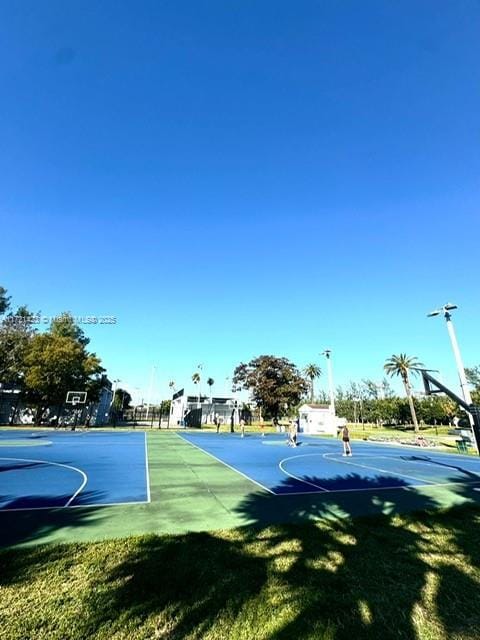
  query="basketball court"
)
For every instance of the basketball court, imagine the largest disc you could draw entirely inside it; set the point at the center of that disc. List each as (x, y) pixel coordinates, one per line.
(45, 469)
(318, 466)
(63, 486)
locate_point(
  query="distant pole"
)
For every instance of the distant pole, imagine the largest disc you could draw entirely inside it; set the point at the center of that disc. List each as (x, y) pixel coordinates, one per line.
(150, 390)
(327, 353)
(114, 391)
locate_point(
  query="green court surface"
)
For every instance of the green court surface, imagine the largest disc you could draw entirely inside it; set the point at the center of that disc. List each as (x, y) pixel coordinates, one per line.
(193, 491)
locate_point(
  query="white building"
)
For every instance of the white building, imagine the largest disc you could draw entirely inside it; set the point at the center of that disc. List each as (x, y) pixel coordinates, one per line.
(319, 418)
(192, 410)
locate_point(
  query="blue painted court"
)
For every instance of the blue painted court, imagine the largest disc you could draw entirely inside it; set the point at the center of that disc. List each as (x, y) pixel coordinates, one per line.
(40, 469)
(318, 466)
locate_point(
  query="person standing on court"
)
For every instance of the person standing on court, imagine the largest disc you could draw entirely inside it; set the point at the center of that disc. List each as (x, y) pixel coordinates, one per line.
(242, 427)
(347, 449)
(292, 434)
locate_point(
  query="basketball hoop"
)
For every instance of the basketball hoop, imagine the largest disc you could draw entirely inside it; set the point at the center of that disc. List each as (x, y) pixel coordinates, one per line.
(76, 397)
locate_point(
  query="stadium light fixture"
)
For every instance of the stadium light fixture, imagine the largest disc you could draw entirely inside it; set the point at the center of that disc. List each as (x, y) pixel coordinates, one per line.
(456, 352)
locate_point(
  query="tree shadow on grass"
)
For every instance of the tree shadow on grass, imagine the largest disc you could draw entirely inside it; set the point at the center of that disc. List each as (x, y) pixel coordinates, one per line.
(369, 577)
(206, 576)
(338, 578)
(143, 587)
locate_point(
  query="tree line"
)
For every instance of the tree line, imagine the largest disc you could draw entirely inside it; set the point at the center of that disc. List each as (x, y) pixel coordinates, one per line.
(278, 387)
(41, 367)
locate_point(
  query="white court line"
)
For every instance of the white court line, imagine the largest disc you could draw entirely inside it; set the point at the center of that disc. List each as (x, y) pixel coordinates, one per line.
(146, 469)
(304, 455)
(327, 456)
(56, 464)
(74, 506)
(226, 464)
(412, 487)
(441, 464)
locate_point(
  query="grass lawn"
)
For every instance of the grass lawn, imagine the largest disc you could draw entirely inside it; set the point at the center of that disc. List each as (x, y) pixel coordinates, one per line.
(236, 562)
(400, 576)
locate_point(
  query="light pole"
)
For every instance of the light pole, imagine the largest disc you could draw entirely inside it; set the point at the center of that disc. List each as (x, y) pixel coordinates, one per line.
(150, 390)
(114, 391)
(456, 352)
(327, 353)
(200, 367)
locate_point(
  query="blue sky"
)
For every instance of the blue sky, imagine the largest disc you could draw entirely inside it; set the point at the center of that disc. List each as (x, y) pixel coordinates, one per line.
(230, 179)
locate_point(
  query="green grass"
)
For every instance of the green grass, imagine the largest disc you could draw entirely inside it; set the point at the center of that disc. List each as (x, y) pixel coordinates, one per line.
(406, 577)
(238, 563)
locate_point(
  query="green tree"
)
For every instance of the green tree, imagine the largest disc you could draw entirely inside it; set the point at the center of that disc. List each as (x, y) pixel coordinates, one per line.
(473, 378)
(16, 332)
(122, 400)
(165, 407)
(402, 365)
(312, 371)
(55, 364)
(64, 325)
(275, 384)
(4, 301)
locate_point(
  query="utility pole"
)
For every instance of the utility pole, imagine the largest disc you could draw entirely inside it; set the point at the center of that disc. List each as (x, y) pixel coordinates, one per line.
(327, 353)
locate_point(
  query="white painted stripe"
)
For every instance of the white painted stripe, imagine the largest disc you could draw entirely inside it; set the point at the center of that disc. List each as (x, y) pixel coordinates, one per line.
(280, 464)
(405, 488)
(226, 464)
(328, 456)
(147, 473)
(73, 506)
(57, 464)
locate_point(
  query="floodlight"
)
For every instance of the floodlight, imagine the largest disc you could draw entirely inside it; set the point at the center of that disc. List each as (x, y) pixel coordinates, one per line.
(433, 313)
(449, 306)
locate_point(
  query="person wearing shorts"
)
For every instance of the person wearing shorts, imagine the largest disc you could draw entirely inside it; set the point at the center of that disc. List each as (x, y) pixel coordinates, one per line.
(347, 449)
(292, 434)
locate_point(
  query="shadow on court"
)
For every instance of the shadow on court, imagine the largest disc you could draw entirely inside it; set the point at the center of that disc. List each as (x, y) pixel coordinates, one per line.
(17, 527)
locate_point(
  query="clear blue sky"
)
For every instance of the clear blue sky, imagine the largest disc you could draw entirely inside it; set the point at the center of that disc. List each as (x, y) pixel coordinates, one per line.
(231, 179)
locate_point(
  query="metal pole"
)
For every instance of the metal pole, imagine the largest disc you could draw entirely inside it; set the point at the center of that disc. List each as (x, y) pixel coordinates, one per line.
(150, 388)
(461, 371)
(458, 359)
(327, 354)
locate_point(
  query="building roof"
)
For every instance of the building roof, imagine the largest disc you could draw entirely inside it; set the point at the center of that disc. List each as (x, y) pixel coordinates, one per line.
(313, 405)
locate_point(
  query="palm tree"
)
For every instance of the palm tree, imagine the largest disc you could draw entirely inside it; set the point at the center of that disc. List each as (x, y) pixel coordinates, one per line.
(210, 383)
(312, 371)
(196, 380)
(401, 365)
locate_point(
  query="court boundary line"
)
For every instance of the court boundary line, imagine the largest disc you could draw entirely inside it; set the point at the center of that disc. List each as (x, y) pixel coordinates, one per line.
(56, 464)
(312, 484)
(327, 456)
(226, 464)
(147, 470)
(72, 506)
(411, 487)
(423, 483)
